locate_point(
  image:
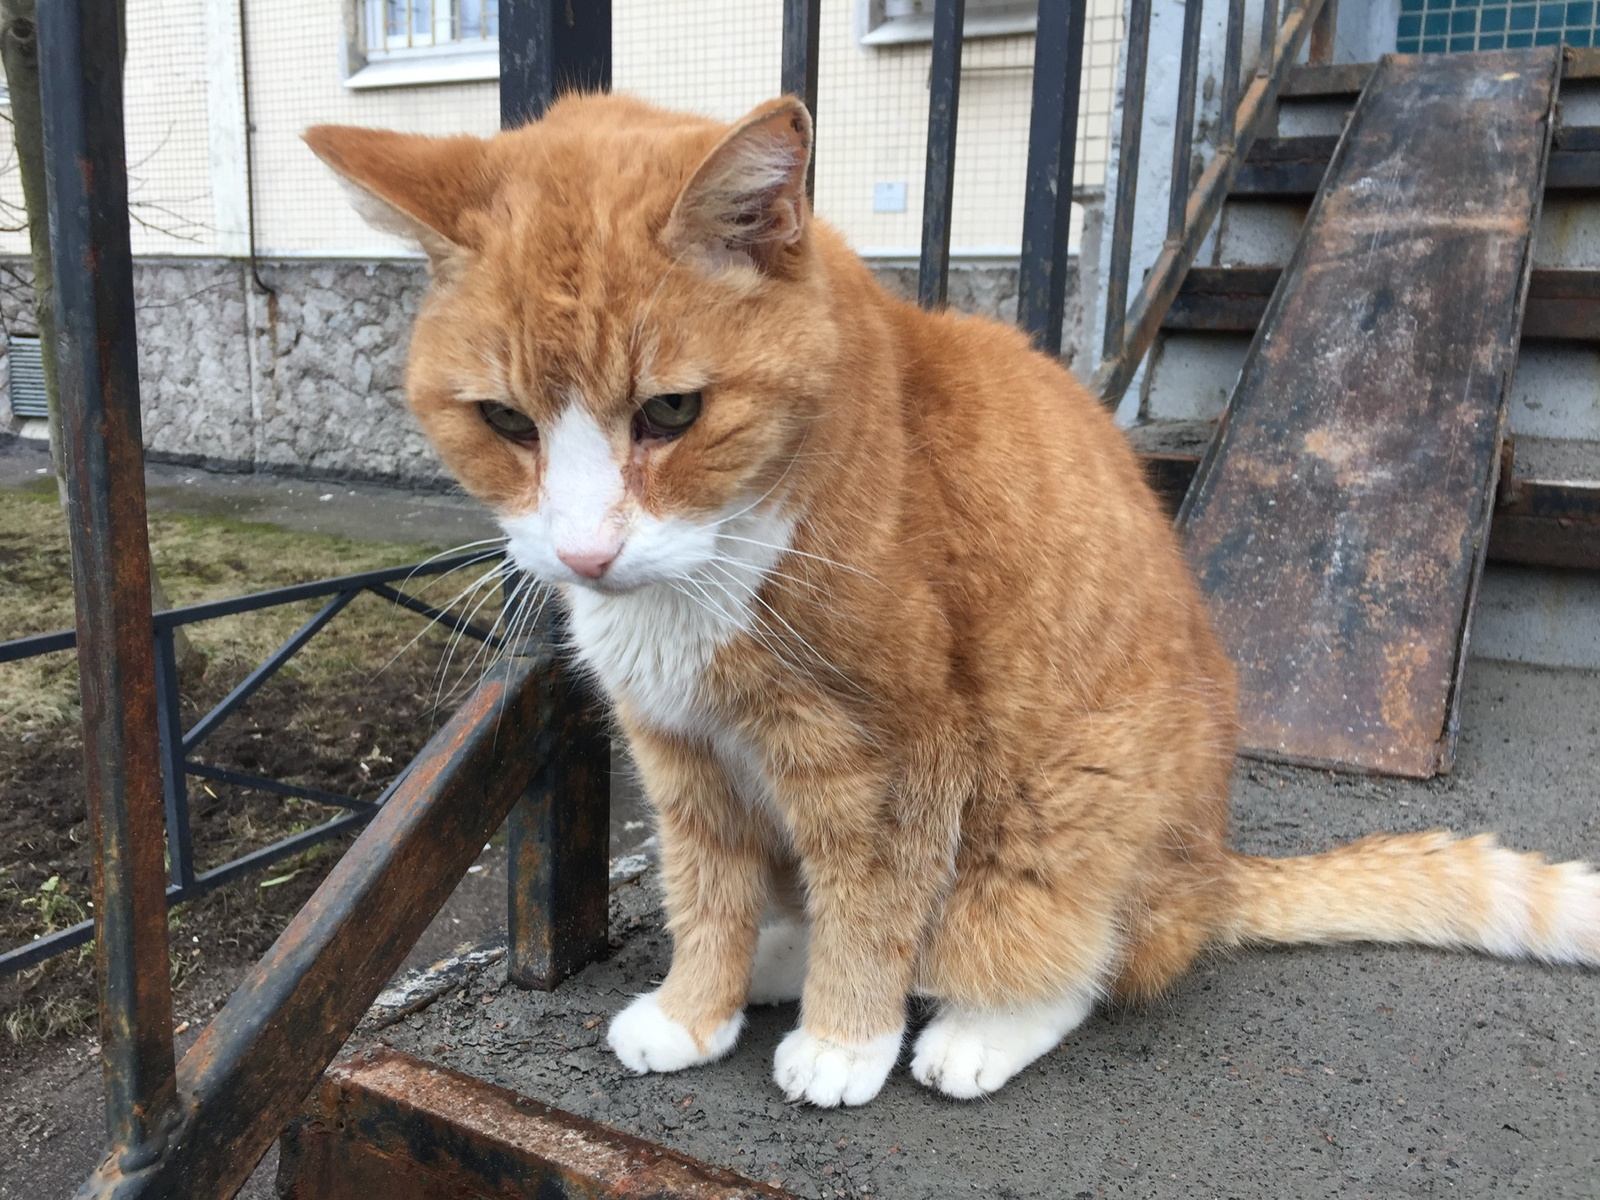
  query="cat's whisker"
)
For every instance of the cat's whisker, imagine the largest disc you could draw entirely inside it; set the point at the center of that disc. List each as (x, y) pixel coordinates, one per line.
(498, 542)
(832, 562)
(459, 633)
(754, 595)
(471, 588)
(761, 633)
(486, 652)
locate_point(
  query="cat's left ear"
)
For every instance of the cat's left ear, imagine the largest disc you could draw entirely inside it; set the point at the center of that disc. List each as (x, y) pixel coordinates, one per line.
(420, 188)
(747, 200)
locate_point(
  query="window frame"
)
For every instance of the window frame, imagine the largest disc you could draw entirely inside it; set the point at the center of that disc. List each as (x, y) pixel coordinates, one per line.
(396, 64)
(875, 27)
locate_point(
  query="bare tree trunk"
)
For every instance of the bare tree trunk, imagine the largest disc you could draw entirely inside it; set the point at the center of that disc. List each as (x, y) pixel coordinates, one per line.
(19, 50)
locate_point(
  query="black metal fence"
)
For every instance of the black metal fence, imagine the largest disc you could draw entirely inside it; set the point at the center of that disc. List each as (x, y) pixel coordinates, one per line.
(178, 744)
(527, 744)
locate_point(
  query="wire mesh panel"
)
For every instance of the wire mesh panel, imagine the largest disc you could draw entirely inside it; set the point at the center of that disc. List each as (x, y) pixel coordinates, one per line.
(170, 204)
(721, 58)
(428, 66)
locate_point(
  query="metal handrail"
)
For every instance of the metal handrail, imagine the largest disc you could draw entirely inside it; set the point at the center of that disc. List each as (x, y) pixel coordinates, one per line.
(526, 737)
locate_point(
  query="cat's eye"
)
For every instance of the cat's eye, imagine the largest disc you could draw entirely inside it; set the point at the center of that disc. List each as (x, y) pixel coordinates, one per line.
(666, 416)
(509, 422)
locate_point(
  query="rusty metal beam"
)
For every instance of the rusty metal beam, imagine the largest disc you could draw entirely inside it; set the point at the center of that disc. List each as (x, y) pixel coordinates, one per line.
(386, 1124)
(80, 64)
(1292, 168)
(252, 1067)
(1547, 523)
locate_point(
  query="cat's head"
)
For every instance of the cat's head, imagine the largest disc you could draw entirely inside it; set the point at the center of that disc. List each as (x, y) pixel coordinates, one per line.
(626, 337)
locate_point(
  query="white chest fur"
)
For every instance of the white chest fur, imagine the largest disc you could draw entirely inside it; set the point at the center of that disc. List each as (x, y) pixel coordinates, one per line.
(651, 647)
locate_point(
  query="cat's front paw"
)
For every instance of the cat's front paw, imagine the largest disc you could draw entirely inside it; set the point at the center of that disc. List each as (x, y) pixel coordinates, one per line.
(830, 1073)
(645, 1039)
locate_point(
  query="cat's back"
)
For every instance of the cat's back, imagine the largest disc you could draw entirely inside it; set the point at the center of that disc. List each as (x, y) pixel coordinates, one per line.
(1034, 511)
(1015, 438)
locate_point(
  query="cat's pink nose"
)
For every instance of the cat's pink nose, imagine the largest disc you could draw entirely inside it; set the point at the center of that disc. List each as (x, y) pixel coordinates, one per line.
(591, 564)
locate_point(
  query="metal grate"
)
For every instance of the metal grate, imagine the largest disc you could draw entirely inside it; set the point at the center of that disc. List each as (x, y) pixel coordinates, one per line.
(1435, 26)
(27, 378)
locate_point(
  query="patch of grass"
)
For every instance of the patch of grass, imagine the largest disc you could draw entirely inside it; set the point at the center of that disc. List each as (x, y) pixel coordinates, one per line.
(199, 559)
(50, 1017)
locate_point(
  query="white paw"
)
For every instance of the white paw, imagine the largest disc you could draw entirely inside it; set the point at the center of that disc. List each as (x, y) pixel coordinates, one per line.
(645, 1039)
(779, 974)
(968, 1053)
(829, 1073)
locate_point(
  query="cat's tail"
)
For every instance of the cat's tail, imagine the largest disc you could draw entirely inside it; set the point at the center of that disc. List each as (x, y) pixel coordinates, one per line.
(1429, 889)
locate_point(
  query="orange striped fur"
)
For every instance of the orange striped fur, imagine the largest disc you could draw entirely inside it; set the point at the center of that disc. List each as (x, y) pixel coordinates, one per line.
(906, 652)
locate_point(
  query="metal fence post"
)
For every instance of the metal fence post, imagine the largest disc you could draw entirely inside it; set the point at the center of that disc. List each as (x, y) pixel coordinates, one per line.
(1052, 149)
(174, 779)
(80, 68)
(1136, 56)
(938, 192)
(560, 829)
(802, 25)
(548, 47)
(559, 839)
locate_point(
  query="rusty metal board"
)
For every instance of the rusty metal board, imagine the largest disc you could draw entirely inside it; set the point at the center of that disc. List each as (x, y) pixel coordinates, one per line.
(385, 1124)
(1339, 520)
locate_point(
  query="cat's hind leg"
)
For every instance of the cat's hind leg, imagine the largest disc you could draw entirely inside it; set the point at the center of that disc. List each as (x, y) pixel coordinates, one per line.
(967, 1053)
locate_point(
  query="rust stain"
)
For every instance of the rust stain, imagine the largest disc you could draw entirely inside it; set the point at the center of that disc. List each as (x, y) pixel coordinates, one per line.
(482, 1139)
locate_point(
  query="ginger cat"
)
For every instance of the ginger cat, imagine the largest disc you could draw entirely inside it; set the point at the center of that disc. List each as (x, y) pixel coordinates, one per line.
(903, 645)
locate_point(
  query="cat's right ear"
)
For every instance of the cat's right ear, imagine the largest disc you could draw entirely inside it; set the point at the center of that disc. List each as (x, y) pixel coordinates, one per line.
(418, 188)
(747, 200)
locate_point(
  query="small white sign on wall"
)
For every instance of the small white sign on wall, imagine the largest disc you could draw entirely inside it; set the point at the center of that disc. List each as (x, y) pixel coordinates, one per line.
(889, 197)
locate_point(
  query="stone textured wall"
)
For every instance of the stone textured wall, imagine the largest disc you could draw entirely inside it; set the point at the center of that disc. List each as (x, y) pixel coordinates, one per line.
(307, 377)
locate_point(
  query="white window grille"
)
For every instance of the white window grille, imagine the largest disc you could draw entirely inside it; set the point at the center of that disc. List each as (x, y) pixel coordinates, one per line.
(408, 42)
(892, 22)
(394, 26)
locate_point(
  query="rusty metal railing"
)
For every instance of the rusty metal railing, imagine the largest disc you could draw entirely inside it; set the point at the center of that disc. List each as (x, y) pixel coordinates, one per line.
(526, 736)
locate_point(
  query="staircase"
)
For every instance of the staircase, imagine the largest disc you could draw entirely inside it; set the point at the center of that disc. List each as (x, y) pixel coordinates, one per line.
(1346, 594)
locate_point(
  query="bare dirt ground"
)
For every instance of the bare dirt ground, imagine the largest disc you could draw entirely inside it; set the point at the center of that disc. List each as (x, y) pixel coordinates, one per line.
(346, 716)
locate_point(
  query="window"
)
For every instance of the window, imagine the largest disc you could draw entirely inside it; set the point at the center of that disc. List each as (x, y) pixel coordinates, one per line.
(409, 42)
(27, 378)
(890, 22)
